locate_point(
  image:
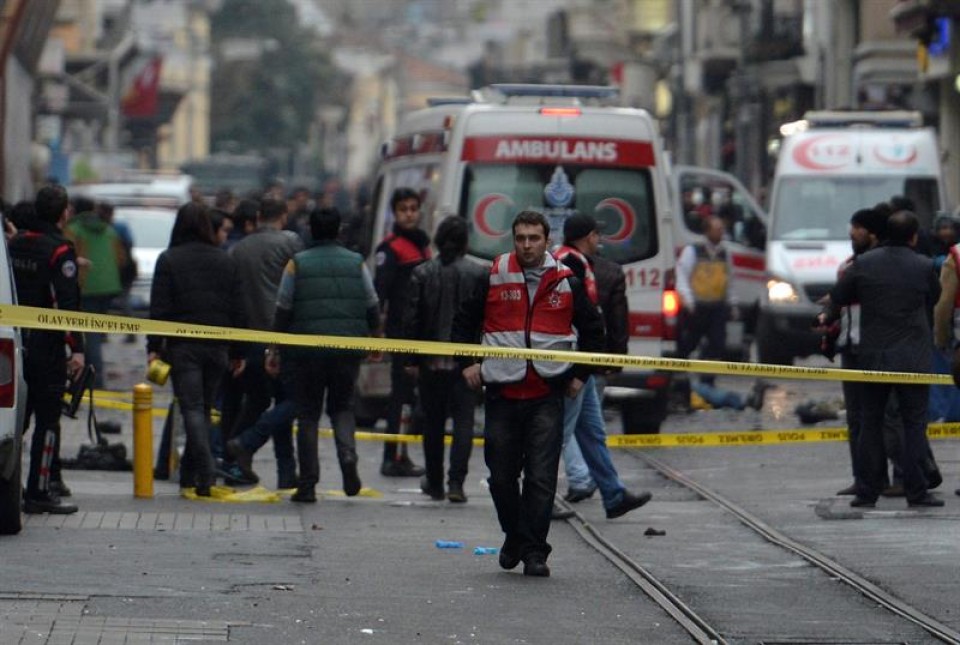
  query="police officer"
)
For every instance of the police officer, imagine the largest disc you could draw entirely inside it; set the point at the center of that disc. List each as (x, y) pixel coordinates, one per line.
(45, 269)
(397, 256)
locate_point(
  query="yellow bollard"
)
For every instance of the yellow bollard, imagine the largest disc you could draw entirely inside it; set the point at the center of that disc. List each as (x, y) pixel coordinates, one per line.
(143, 441)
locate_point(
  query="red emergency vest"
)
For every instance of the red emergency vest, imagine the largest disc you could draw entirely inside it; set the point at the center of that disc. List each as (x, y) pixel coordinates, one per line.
(589, 279)
(511, 320)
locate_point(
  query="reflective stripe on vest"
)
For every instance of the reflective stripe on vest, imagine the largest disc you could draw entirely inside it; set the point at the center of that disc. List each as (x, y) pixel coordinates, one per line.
(589, 279)
(510, 320)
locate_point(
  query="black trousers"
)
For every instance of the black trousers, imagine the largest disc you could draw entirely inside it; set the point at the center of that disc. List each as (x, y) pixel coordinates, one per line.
(319, 376)
(871, 453)
(444, 394)
(708, 320)
(45, 371)
(523, 437)
(402, 392)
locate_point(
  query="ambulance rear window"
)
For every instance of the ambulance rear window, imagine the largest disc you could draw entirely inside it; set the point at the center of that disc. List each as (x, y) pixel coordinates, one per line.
(620, 199)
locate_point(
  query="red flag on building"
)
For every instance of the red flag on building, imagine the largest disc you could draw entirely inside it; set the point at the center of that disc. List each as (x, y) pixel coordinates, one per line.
(141, 99)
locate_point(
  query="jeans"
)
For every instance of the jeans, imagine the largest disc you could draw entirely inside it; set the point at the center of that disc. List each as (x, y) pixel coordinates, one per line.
(197, 370)
(316, 375)
(93, 348)
(275, 423)
(444, 393)
(583, 420)
(717, 397)
(523, 437)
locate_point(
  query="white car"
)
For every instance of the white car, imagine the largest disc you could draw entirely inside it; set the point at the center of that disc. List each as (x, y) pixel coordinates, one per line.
(13, 400)
(150, 229)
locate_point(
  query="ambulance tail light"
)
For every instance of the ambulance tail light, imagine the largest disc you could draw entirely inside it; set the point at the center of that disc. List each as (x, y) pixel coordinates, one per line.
(670, 307)
(8, 373)
(560, 111)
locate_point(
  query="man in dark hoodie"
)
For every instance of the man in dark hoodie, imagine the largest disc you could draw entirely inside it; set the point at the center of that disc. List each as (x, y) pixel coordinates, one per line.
(397, 256)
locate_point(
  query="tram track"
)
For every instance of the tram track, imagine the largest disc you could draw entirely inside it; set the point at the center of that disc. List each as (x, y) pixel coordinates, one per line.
(698, 628)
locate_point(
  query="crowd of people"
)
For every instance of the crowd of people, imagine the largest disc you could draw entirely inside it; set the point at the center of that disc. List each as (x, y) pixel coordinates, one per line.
(281, 265)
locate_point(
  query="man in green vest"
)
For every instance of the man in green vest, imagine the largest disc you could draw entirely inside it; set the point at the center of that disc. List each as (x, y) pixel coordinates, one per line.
(326, 290)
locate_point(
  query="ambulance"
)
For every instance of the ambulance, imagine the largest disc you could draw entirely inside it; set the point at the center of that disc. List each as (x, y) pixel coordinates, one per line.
(830, 165)
(556, 149)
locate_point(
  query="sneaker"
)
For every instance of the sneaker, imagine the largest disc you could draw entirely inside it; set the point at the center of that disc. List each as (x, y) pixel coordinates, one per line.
(233, 475)
(242, 458)
(455, 493)
(304, 495)
(628, 503)
(60, 489)
(435, 492)
(575, 495)
(47, 503)
(535, 565)
(351, 479)
(401, 468)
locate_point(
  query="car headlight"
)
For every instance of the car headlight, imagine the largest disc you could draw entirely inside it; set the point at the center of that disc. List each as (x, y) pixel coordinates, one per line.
(781, 292)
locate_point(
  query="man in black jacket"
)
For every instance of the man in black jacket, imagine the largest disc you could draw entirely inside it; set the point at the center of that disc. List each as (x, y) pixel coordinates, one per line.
(437, 287)
(45, 269)
(397, 256)
(896, 289)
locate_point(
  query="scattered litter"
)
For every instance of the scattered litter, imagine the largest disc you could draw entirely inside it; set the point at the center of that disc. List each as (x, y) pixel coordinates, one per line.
(448, 544)
(283, 587)
(366, 630)
(652, 532)
(316, 527)
(485, 550)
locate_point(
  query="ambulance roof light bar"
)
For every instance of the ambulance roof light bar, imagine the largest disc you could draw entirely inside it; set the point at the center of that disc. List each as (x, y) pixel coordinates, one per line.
(877, 119)
(575, 94)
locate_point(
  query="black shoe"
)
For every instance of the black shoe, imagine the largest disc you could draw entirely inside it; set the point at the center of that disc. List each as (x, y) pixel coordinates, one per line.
(401, 468)
(560, 513)
(628, 503)
(576, 495)
(202, 490)
(849, 490)
(934, 479)
(304, 495)
(47, 504)
(60, 489)
(957, 492)
(863, 502)
(893, 490)
(455, 493)
(508, 559)
(243, 459)
(927, 501)
(435, 492)
(535, 564)
(351, 479)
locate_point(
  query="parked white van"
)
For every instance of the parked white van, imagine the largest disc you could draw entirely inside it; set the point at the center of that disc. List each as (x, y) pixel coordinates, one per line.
(830, 165)
(13, 401)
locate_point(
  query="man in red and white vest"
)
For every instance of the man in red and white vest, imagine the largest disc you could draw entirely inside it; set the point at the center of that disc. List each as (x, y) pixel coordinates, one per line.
(530, 301)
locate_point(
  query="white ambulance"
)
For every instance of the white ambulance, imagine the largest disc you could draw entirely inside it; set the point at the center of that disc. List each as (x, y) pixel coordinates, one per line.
(830, 165)
(563, 149)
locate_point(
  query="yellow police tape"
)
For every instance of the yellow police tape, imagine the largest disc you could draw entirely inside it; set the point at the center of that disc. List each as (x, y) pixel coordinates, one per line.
(54, 319)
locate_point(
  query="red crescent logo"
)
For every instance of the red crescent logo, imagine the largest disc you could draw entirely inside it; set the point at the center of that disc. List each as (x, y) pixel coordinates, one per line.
(480, 213)
(628, 218)
(897, 160)
(805, 154)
